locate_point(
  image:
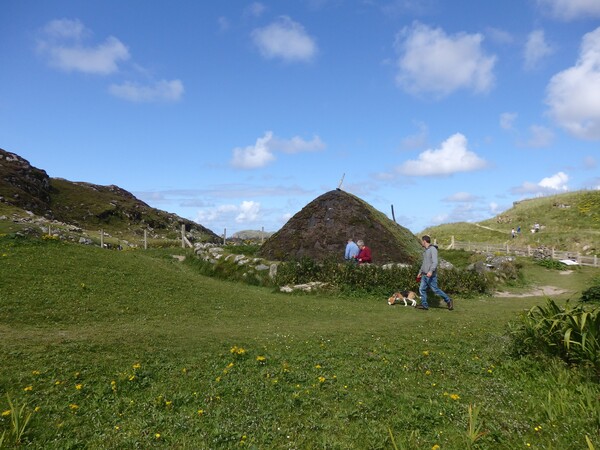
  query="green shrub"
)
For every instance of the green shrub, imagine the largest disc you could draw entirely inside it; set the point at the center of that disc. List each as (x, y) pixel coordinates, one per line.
(592, 294)
(570, 333)
(549, 263)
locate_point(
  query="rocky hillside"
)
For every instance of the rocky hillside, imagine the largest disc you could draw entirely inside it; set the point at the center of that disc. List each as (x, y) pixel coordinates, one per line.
(85, 205)
(322, 228)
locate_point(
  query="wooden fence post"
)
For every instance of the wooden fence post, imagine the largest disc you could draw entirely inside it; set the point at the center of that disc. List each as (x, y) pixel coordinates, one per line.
(145, 239)
(182, 235)
(262, 235)
(101, 238)
(224, 235)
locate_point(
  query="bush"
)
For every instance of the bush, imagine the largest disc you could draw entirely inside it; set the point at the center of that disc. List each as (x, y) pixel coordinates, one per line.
(591, 294)
(351, 279)
(549, 263)
(570, 333)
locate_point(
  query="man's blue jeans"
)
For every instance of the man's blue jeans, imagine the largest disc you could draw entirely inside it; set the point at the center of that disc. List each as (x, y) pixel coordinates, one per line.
(432, 284)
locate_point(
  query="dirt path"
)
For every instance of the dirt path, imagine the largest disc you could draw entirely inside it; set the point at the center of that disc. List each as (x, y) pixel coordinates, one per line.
(537, 292)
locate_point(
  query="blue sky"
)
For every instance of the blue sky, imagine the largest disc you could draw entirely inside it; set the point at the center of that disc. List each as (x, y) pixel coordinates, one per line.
(238, 114)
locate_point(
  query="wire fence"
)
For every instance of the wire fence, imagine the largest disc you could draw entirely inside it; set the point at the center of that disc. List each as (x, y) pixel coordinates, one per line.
(567, 257)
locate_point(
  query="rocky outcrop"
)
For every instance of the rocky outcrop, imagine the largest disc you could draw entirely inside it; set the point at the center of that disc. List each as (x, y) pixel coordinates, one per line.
(23, 185)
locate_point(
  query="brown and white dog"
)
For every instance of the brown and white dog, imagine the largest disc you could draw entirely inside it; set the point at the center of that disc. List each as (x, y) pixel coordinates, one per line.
(403, 296)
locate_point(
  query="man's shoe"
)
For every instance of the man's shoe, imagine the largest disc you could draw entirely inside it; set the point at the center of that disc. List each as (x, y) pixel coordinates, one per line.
(450, 305)
(421, 307)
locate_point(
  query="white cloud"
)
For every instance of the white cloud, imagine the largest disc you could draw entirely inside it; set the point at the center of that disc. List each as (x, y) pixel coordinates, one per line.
(262, 152)
(571, 9)
(499, 36)
(159, 91)
(548, 185)
(494, 208)
(247, 212)
(461, 197)
(255, 9)
(556, 182)
(589, 162)
(223, 23)
(573, 95)
(62, 43)
(507, 120)
(536, 49)
(539, 137)
(418, 140)
(285, 39)
(452, 157)
(433, 62)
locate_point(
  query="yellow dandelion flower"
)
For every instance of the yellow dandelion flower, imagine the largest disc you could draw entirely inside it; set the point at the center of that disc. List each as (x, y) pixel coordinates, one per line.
(218, 379)
(261, 359)
(200, 412)
(184, 370)
(454, 396)
(35, 372)
(426, 353)
(79, 386)
(136, 366)
(57, 382)
(318, 366)
(37, 409)
(321, 379)
(230, 365)
(117, 427)
(428, 372)
(28, 388)
(73, 406)
(6, 413)
(435, 447)
(157, 435)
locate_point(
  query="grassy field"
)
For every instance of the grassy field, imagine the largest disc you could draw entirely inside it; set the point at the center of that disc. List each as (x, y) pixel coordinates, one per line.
(133, 349)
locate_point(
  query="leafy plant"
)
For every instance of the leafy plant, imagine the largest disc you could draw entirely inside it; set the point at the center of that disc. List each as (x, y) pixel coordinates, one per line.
(550, 263)
(571, 333)
(591, 294)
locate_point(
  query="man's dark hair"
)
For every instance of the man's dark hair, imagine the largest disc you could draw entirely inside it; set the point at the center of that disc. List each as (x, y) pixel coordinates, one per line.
(426, 239)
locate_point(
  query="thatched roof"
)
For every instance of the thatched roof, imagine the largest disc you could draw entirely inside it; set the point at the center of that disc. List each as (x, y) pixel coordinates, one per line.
(322, 228)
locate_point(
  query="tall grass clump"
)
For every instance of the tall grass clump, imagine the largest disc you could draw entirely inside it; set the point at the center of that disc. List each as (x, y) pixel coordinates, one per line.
(571, 333)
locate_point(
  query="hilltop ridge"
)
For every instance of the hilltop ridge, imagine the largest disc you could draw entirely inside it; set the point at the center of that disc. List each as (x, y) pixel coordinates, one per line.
(26, 190)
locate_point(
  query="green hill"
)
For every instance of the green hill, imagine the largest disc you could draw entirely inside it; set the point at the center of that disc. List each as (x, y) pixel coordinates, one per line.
(569, 221)
(31, 201)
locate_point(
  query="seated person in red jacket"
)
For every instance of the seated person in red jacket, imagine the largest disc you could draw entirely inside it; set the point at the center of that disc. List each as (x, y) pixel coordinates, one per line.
(364, 254)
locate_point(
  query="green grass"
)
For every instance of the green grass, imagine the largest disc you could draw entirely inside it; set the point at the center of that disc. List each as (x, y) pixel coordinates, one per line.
(134, 349)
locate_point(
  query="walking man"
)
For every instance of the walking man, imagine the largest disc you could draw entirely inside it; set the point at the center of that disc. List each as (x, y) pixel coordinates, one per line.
(428, 275)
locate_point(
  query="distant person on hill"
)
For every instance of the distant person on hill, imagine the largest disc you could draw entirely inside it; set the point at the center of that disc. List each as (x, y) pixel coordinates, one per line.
(513, 233)
(364, 255)
(519, 229)
(428, 275)
(351, 251)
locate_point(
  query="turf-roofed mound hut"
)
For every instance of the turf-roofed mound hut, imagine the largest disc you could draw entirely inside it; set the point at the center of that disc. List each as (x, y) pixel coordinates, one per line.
(321, 230)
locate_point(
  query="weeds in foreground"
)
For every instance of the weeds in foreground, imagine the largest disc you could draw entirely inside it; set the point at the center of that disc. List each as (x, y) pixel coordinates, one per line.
(19, 419)
(571, 333)
(474, 433)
